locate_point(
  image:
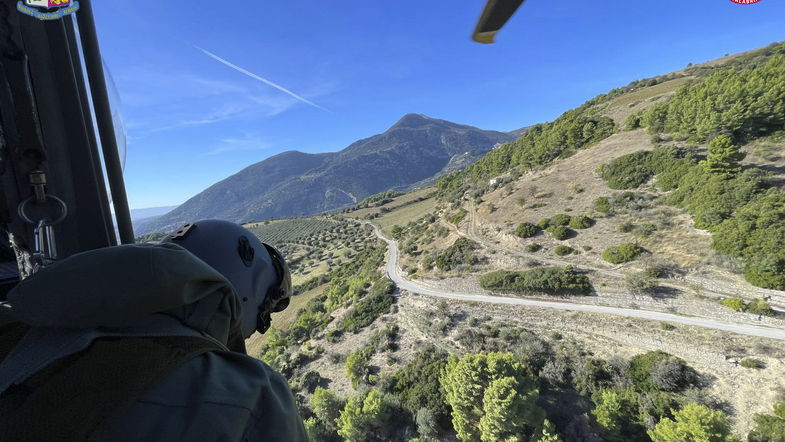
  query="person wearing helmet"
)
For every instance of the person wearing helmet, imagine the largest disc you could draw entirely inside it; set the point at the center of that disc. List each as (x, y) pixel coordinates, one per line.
(257, 271)
(146, 343)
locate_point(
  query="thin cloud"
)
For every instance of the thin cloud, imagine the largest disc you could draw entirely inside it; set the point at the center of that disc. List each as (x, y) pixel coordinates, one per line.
(144, 129)
(246, 143)
(258, 78)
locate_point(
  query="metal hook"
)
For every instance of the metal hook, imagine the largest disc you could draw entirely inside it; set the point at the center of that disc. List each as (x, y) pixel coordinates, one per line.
(45, 246)
(23, 207)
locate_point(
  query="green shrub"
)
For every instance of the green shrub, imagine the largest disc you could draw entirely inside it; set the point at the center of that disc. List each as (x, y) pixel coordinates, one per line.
(581, 222)
(561, 232)
(458, 216)
(767, 271)
(666, 326)
(375, 304)
(769, 428)
(673, 375)
(526, 230)
(534, 247)
(544, 223)
(416, 387)
(640, 367)
(627, 172)
(379, 199)
(645, 230)
(334, 335)
(657, 370)
(461, 252)
(632, 170)
(752, 363)
(622, 253)
(737, 304)
(548, 280)
(760, 307)
(561, 220)
(640, 284)
(602, 204)
(356, 366)
(310, 380)
(626, 227)
(563, 250)
(629, 201)
(656, 271)
(633, 121)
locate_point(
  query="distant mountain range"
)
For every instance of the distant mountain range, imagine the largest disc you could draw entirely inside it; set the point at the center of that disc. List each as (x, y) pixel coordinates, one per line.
(149, 212)
(415, 149)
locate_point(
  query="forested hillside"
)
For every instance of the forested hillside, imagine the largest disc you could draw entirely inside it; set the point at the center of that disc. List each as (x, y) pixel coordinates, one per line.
(663, 196)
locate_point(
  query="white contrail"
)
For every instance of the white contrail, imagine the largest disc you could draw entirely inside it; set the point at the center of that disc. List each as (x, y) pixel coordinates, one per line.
(256, 77)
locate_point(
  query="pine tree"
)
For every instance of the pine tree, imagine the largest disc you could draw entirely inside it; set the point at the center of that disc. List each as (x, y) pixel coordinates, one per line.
(364, 417)
(509, 411)
(693, 423)
(723, 157)
(466, 383)
(615, 413)
(327, 407)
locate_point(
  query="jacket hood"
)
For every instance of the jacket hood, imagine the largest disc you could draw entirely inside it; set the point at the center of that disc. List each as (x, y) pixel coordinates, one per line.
(115, 286)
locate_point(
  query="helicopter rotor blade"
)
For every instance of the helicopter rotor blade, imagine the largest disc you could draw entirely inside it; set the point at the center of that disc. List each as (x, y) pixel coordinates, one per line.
(493, 18)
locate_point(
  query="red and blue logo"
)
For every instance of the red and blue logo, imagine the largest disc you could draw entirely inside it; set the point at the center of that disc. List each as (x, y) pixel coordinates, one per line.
(47, 9)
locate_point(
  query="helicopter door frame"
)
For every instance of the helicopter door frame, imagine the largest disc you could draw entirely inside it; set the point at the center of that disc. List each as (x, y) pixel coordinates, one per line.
(46, 124)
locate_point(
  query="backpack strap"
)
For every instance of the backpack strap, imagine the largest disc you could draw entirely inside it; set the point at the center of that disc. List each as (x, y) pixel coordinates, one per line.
(69, 399)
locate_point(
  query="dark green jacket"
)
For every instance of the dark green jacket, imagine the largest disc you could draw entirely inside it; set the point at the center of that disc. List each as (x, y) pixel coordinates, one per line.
(218, 396)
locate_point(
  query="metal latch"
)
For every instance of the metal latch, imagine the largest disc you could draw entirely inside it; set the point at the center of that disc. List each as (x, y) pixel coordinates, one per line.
(44, 211)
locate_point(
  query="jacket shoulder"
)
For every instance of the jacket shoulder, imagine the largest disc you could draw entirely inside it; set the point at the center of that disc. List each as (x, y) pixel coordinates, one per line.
(216, 396)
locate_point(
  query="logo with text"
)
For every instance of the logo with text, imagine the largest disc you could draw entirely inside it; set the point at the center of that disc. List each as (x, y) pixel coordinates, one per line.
(745, 2)
(47, 9)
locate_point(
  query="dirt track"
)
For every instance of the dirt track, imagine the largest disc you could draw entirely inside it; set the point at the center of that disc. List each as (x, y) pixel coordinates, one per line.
(394, 273)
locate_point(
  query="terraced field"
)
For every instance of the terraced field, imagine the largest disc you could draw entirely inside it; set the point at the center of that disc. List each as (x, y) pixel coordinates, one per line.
(313, 246)
(400, 210)
(284, 231)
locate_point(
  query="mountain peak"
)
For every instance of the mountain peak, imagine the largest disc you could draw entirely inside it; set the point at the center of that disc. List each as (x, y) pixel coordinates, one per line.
(293, 183)
(413, 120)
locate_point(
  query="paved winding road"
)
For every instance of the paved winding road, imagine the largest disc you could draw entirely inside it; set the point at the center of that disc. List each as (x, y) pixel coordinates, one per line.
(394, 273)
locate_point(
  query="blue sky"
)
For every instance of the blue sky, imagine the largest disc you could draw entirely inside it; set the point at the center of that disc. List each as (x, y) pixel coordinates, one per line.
(192, 120)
